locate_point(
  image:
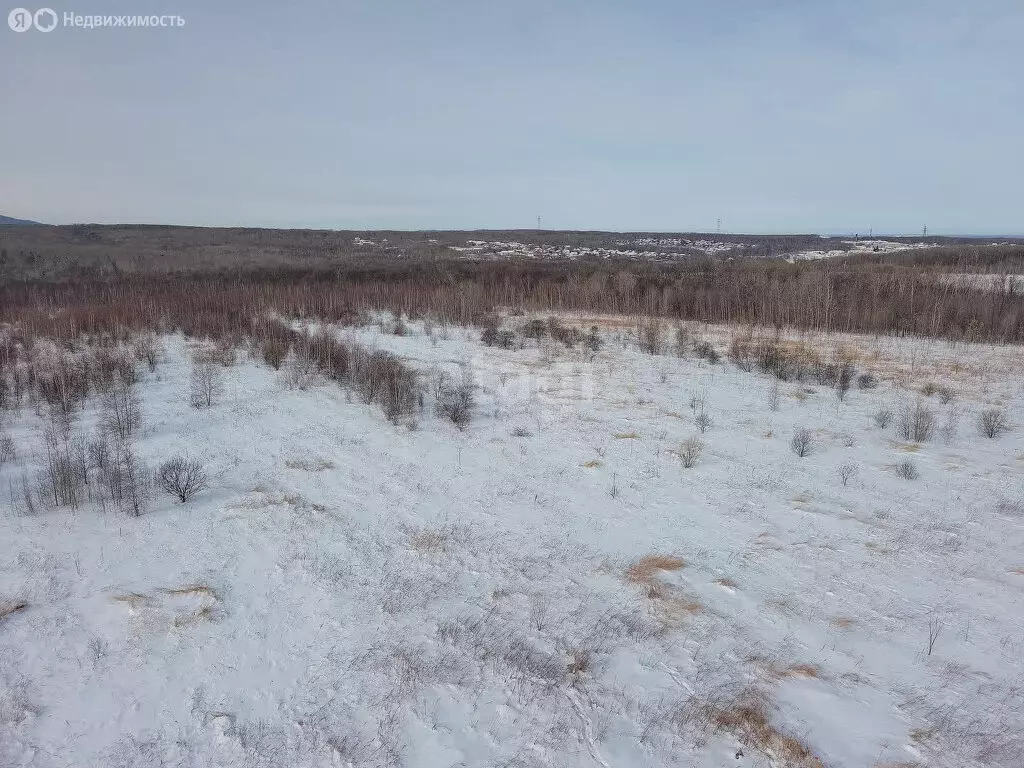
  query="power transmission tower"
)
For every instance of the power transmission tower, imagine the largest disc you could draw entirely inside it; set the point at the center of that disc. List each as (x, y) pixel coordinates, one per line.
(538, 222)
(718, 225)
(924, 232)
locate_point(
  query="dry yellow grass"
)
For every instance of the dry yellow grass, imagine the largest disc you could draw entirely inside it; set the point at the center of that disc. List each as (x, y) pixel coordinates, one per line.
(907, 447)
(592, 463)
(801, 670)
(644, 570)
(626, 436)
(747, 719)
(843, 622)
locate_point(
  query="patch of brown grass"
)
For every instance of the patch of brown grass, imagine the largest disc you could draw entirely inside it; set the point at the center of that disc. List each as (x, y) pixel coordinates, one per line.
(644, 573)
(907, 447)
(843, 622)
(801, 670)
(626, 436)
(9, 607)
(727, 583)
(592, 463)
(644, 570)
(131, 599)
(747, 719)
(197, 590)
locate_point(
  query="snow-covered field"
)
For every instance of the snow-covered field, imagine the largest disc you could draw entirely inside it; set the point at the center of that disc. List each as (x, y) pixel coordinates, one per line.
(857, 248)
(548, 587)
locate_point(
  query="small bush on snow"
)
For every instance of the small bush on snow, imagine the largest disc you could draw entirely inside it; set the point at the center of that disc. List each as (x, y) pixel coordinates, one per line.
(182, 478)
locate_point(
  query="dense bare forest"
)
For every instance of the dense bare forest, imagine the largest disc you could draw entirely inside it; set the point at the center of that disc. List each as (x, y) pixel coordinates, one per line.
(62, 281)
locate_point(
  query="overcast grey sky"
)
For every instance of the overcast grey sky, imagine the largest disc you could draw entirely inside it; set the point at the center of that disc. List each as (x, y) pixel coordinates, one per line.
(775, 115)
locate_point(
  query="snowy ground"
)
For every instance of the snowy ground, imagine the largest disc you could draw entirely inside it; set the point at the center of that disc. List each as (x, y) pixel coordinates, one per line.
(857, 247)
(349, 592)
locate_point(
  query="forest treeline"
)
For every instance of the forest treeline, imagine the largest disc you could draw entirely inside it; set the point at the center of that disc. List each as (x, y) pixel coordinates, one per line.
(916, 296)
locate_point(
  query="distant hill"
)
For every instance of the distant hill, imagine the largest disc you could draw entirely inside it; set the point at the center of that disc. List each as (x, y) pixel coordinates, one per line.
(7, 221)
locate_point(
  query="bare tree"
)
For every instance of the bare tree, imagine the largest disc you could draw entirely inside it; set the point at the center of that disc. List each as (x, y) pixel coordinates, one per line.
(206, 384)
(846, 472)
(993, 422)
(181, 477)
(883, 418)
(802, 442)
(121, 412)
(703, 421)
(935, 625)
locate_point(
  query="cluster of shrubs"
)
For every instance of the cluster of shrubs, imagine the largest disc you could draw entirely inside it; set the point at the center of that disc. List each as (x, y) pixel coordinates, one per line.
(56, 381)
(374, 375)
(493, 335)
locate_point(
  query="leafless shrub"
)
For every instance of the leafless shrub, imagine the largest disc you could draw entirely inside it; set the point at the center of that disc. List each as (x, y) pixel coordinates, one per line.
(682, 341)
(703, 421)
(741, 355)
(456, 402)
(705, 350)
(182, 478)
(847, 472)
(206, 384)
(489, 333)
(147, 350)
(63, 479)
(690, 451)
(929, 388)
(274, 351)
(534, 329)
(907, 469)
(521, 432)
(935, 626)
(127, 480)
(121, 413)
(993, 422)
(867, 381)
(562, 334)
(883, 418)
(7, 451)
(651, 337)
(802, 442)
(946, 395)
(774, 396)
(950, 424)
(917, 422)
(300, 370)
(845, 379)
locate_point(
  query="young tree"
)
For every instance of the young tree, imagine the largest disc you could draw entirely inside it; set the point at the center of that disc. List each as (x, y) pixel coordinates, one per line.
(182, 478)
